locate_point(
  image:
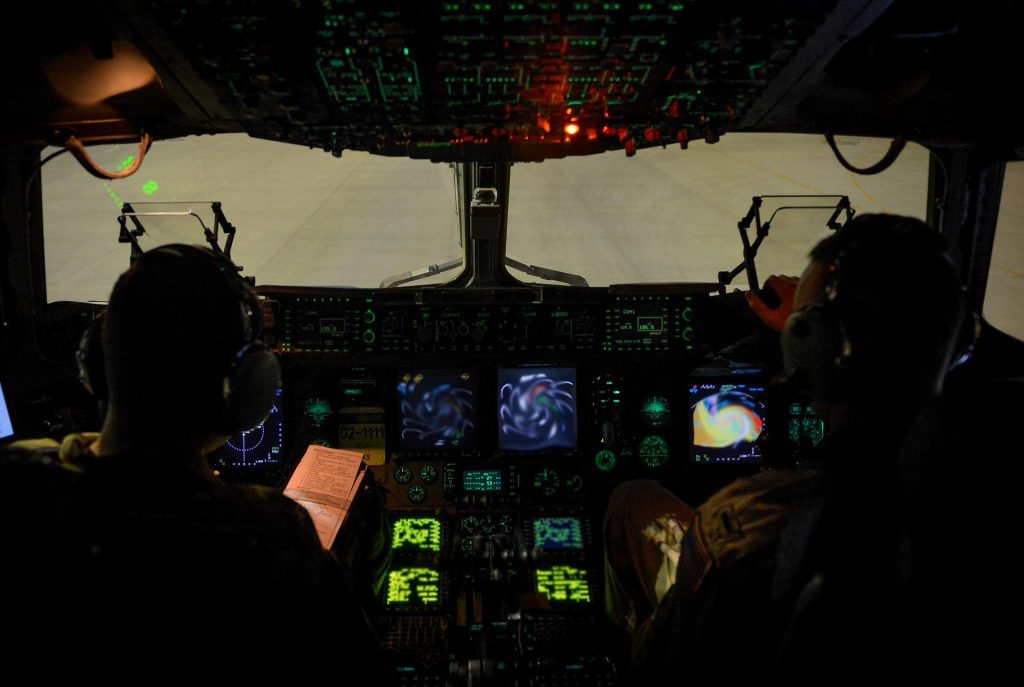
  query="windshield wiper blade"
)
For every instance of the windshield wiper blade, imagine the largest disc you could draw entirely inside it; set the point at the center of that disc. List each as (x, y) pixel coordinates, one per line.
(547, 273)
(422, 273)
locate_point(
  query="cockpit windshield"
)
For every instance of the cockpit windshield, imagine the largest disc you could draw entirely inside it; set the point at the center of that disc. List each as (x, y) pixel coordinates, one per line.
(305, 218)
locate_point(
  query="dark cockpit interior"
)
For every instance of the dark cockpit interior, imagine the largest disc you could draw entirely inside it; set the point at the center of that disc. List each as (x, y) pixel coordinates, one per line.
(497, 408)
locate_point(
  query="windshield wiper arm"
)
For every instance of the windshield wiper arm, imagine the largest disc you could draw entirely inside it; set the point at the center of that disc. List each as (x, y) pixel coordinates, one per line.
(547, 273)
(422, 273)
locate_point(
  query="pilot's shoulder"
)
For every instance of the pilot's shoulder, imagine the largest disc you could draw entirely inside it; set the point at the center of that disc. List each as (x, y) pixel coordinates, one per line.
(30, 460)
(765, 487)
(751, 513)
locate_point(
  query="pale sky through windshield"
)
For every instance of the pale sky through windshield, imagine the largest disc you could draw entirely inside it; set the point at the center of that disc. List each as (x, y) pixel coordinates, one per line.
(306, 218)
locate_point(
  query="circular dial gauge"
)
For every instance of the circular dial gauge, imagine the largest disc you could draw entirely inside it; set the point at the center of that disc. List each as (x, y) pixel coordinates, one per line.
(653, 451)
(428, 474)
(417, 493)
(605, 460)
(403, 474)
(546, 481)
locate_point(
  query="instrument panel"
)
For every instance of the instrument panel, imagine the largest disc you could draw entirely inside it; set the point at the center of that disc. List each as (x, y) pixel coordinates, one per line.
(496, 423)
(440, 321)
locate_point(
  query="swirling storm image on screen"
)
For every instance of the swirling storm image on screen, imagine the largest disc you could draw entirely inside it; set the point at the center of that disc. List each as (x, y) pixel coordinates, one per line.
(438, 409)
(536, 408)
(727, 422)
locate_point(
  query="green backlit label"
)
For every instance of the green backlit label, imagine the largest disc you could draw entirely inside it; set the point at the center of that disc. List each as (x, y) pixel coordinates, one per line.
(564, 584)
(420, 534)
(414, 587)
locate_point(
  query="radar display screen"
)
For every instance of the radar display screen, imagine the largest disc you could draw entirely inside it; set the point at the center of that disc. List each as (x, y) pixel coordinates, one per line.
(728, 419)
(416, 535)
(536, 408)
(413, 588)
(564, 584)
(480, 481)
(259, 447)
(437, 410)
(556, 534)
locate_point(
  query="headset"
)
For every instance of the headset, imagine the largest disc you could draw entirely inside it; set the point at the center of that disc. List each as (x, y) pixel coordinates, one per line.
(251, 374)
(815, 345)
(819, 356)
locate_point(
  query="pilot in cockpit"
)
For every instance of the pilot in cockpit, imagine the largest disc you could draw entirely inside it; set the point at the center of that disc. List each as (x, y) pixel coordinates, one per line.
(123, 545)
(790, 570)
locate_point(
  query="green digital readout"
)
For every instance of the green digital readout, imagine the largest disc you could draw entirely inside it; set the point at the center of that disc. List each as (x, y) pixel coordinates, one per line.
(414, 588)
(479, 481)
(558, 533)
(417, 534)
(564, 584)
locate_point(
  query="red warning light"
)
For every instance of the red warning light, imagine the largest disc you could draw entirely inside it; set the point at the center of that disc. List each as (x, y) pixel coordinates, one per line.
(572, 129)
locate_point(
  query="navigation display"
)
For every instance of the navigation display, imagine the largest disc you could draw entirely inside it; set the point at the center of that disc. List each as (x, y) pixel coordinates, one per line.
(259, 447)
(728, 419)
(437, 410)
(536, 408)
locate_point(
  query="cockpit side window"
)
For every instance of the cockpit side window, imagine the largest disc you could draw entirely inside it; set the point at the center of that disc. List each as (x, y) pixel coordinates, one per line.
(1004, 306)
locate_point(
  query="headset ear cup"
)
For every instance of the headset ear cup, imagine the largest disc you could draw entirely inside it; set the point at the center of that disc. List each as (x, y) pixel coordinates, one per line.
(815, 348)
(89, 358)
(249, 388)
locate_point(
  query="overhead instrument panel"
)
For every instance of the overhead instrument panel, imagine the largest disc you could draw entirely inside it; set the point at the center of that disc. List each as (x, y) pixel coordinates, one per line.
(434, 79)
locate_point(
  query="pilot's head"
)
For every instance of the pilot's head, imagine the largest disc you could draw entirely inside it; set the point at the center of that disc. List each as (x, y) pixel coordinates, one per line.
(876, 316)
(182, 358)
